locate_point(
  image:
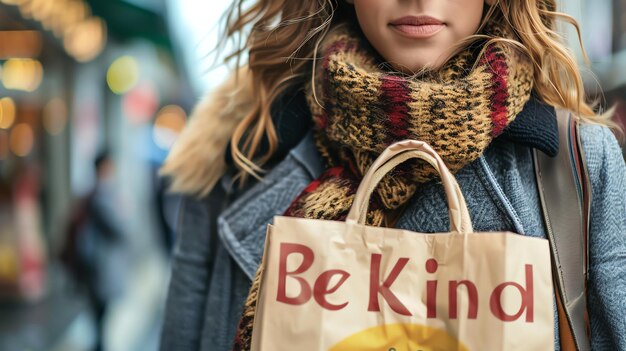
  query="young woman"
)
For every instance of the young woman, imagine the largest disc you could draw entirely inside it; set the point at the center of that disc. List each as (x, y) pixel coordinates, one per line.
(327, 86)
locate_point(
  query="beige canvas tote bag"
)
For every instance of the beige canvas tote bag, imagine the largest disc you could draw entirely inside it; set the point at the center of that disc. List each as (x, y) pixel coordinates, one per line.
(330, 285)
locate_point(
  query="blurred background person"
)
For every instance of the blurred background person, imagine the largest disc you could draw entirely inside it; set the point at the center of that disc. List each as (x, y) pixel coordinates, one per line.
(96, 250)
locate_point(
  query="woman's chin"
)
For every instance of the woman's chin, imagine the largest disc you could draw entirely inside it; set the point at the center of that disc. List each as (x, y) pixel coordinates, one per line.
(426, 62)
(413, 68)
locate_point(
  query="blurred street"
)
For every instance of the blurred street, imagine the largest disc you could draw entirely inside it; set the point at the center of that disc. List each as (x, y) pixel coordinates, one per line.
(93, 94)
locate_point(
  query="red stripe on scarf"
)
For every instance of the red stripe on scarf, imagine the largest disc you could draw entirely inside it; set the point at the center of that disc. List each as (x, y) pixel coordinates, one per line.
(395, 96)
(331, 173)
(499, 88)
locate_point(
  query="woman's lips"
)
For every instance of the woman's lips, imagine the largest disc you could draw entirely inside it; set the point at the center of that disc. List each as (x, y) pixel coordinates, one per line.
(417, 27)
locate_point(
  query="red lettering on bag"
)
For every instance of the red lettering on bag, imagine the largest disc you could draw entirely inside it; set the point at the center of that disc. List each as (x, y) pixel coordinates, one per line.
(527, 304)
(472, 293)
(321, 288)
(308, 256)
(431, 289)
(384, 289)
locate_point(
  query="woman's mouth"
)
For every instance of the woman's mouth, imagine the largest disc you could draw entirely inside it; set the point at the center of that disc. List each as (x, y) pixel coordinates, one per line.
(417, 27)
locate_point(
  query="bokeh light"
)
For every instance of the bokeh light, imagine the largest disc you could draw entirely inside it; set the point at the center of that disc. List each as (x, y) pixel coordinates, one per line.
(84, 36)
(168, 124)
(40, 9)
(22, 139)
(140, 104)
(66, 14)
(123, 74)
(7, 112)
(22, 74)
(85, 40)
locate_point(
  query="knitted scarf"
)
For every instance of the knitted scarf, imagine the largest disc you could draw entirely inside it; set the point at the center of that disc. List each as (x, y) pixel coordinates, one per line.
(363, 109)
(359, 109)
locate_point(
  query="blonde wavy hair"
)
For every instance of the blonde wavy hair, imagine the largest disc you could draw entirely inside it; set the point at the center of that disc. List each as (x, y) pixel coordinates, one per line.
(281, 38)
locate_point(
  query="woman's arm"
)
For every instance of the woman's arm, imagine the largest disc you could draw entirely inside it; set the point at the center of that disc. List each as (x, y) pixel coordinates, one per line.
(607, 280)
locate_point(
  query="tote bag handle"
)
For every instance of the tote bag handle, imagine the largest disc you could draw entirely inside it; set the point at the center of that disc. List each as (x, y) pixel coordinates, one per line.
(396, 154)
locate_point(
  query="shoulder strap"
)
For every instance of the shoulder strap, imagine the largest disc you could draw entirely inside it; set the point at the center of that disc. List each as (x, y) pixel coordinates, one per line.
(565, 194)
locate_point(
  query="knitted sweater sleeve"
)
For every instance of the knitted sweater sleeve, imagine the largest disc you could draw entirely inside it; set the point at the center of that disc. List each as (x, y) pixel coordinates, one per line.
(607, 279)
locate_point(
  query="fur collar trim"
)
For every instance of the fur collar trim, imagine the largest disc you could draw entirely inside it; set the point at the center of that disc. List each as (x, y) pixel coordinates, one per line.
(196, 162)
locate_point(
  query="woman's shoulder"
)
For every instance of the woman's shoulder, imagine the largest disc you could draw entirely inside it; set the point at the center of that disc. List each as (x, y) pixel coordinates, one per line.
(601, 149)
(607, 174)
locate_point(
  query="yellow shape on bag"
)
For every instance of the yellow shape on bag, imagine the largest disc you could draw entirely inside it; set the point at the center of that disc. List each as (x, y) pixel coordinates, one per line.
(400, 337)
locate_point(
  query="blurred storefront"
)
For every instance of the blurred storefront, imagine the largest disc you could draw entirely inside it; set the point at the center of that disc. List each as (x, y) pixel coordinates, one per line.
(78, 77)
